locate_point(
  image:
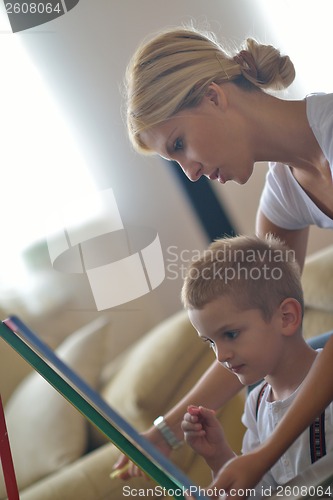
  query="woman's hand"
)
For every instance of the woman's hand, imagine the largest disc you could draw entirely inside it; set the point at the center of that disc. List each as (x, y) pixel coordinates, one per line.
(126, 469)
(238, 476)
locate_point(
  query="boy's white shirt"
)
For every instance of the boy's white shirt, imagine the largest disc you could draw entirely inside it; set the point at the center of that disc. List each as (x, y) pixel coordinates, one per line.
(259, 427)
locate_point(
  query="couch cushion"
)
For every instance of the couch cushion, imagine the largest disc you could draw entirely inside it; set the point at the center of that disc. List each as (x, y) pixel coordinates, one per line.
(45, 431)
(317, 281)
(155, 367)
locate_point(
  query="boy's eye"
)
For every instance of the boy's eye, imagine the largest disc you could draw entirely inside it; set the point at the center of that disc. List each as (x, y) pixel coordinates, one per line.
(231, 334)
(178, 144)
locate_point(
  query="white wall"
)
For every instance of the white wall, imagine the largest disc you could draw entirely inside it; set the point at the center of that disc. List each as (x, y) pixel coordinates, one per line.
(82, 57)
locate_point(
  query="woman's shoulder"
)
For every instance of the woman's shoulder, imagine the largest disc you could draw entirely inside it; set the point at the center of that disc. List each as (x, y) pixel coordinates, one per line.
(317, 100)
(319, 109)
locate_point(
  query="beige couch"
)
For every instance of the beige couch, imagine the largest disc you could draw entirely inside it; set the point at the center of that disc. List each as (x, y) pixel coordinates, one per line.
(58, 456)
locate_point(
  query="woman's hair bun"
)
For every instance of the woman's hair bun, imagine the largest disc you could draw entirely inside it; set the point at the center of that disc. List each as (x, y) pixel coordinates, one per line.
(273, 70)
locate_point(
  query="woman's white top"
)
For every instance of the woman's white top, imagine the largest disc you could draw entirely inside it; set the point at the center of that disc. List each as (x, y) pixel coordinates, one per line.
(283, 201)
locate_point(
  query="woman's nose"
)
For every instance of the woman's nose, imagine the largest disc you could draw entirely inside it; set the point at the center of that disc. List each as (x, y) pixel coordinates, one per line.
(192, 170)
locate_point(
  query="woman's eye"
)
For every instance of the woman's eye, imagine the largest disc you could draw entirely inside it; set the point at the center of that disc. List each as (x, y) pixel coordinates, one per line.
(178, 144)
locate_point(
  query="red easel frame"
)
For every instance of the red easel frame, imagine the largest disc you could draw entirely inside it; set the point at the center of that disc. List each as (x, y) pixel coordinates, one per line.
(6, 459)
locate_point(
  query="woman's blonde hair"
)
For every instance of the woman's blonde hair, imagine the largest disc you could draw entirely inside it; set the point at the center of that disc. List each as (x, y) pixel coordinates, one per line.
(256, 273)
(173, 70)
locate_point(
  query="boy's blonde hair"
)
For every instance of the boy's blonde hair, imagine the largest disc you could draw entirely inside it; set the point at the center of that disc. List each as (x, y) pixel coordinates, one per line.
(174, 69)
(257, 273)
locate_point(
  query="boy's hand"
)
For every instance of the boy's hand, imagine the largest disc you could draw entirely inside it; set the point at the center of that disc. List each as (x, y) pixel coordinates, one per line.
(204, 433)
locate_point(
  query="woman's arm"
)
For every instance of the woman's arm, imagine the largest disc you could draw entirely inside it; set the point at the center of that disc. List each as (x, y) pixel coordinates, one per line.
(296, 240)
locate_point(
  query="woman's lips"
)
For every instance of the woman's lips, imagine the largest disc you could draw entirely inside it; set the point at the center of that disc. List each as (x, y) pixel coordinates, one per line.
(216, 175)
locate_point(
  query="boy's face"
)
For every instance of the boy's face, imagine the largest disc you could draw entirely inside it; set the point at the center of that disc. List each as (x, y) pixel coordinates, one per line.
(243, 341)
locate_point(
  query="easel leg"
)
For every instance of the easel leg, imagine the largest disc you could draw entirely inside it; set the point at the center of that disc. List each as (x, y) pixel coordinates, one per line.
(6, 459)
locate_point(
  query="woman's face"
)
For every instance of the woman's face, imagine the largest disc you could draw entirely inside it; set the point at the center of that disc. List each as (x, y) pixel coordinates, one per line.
(210, 139)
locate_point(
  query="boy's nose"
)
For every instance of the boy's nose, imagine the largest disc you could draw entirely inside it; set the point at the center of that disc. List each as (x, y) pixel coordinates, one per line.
(222, 355)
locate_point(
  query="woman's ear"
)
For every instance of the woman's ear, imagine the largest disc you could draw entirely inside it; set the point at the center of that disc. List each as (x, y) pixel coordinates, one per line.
(216, 95)
(291, 316)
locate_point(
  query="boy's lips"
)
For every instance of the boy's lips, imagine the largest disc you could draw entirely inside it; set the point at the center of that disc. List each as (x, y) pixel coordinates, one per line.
(235, 368)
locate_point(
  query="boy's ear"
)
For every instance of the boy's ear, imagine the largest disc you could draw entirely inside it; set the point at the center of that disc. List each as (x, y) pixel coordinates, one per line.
(291, 316)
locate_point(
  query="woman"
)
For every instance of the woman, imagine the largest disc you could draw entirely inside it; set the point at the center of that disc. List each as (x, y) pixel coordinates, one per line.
(191, 102)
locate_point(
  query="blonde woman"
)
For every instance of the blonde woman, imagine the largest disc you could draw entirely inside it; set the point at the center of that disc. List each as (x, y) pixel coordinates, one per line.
(190, 101)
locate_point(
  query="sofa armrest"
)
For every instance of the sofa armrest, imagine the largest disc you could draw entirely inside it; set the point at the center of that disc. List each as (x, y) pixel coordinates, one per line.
(317, 280)
(318, 293)
(86, 479)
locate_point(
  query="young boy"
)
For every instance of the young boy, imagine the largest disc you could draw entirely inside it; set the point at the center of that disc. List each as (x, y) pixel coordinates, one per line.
(245, 299)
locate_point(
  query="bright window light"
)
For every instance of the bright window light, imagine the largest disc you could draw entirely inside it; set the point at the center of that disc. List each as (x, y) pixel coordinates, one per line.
(303, 30)
(42, 169)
